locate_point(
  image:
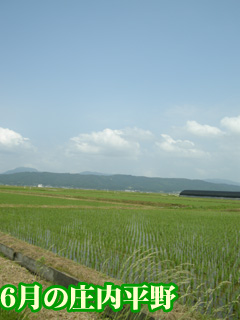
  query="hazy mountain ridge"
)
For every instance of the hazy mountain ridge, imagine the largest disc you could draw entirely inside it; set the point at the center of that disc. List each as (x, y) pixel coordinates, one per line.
(94, 173)
(223, 181)
(20, 169)
(110, 182)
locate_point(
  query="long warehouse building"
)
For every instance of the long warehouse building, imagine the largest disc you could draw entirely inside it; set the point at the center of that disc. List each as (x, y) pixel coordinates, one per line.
(214, 194)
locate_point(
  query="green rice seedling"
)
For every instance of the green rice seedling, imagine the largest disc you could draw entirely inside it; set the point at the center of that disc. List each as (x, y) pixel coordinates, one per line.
(201, 236)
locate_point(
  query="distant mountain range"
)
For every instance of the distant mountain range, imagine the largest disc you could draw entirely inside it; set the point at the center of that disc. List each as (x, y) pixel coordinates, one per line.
(223, 181)
(91, 180)
(27, 169)
(94, 173)
(20, 169)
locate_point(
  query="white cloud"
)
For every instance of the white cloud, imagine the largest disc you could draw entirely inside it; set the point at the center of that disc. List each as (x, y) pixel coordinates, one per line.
(15, 150)
(203, 130)
(109, 142)
(233, 124)
(169, 144)
(137, 134)
(10, 139)
(182, 148)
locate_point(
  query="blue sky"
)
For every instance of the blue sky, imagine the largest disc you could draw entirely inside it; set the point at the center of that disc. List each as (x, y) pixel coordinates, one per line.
(137, 87)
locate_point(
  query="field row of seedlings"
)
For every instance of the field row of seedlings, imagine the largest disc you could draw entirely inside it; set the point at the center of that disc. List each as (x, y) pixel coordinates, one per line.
(196, 249)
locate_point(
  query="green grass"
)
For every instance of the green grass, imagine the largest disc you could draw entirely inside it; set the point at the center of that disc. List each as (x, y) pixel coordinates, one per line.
(120, 196)
(11, 315)
(19, 199)
(201, 236)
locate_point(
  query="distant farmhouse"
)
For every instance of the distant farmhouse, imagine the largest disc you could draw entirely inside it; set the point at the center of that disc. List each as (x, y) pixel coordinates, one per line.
(210, 194)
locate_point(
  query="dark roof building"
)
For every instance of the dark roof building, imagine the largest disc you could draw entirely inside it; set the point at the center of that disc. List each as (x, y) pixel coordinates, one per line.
(215, 194)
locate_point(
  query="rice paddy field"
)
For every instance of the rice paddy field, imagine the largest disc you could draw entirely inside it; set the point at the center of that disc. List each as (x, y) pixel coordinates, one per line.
(136, 237)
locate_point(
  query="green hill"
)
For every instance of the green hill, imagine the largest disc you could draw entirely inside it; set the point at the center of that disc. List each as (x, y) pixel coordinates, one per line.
(21, 169)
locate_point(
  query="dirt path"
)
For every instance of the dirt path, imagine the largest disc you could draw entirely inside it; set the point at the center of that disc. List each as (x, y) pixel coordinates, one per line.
(12, 273)
(46, 195)
(59, 206)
